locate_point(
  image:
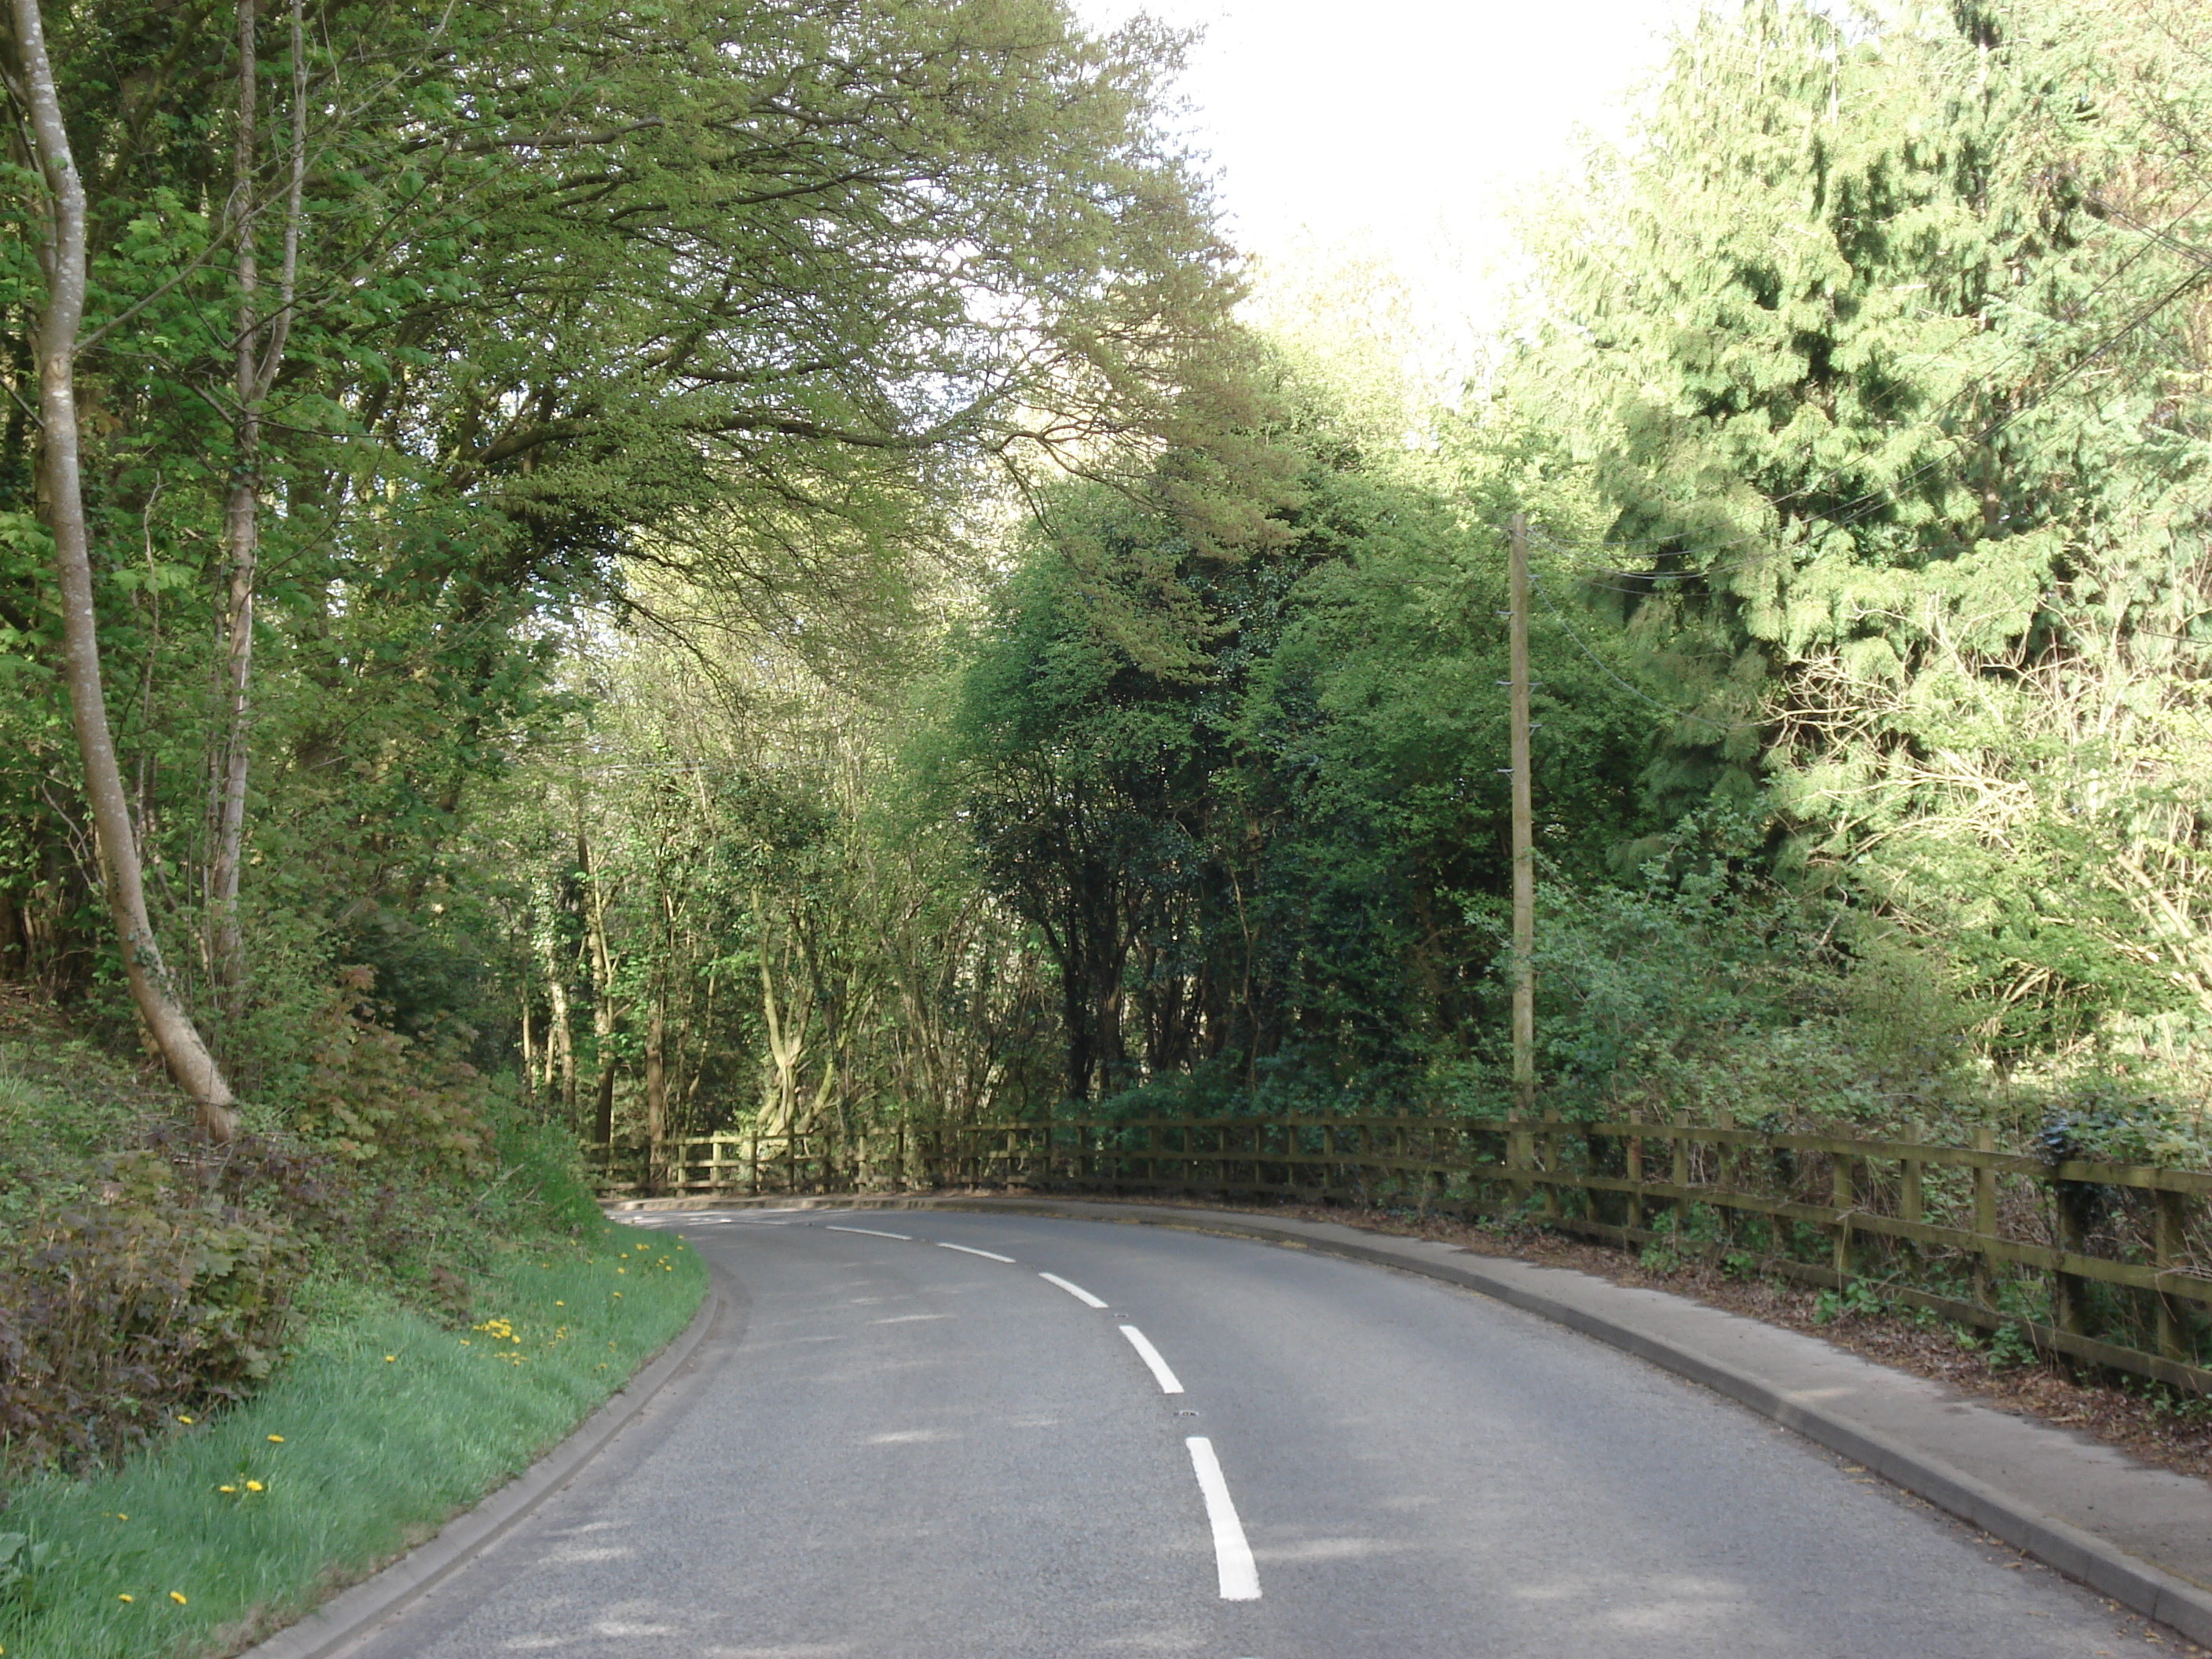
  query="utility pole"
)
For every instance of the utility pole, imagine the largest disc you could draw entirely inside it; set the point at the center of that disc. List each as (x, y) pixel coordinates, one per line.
(1524, 844)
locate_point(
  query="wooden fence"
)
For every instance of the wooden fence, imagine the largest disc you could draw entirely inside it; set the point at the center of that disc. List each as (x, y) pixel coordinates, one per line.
(2104, 1263)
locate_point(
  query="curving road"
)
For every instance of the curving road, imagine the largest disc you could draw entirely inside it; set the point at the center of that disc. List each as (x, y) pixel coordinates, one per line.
(936, 1446)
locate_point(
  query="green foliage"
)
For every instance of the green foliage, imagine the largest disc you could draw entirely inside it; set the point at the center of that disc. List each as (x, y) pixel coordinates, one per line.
(25, 1562)
(1879, 349)
(2009, 1347)
(1861, 1298)
(116, 1312)
(370, 1092)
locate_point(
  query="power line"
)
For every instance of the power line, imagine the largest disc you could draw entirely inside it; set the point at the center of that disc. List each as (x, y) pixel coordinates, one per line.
(1603, 668)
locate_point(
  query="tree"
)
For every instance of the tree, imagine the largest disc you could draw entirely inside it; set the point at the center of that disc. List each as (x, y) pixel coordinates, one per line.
(61, 261)
(1876, 350)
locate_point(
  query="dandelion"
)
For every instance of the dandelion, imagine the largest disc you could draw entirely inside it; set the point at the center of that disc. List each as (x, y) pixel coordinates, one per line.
(618, 1295)
(126, 1598)
(233, 1490)
(178, 1597)
(560, 1304)
(183, 1419)
(276, 1439)
(119, 1516)
(388, 1359)
(254, 1486)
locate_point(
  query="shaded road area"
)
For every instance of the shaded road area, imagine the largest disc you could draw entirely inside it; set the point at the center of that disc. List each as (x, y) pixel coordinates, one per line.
(927, 1435)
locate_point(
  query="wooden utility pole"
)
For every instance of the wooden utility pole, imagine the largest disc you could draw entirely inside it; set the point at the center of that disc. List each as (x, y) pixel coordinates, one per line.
(1524, 845)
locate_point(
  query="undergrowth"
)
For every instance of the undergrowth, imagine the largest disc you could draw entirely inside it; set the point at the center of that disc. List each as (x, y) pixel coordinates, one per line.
(144, 1271)
(236, 1377)
(384, 1422)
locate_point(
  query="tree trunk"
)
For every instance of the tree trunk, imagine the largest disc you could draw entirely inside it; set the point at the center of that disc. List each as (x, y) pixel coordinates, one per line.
(529, 1057)
(259, 354)
(561, 1055)
(62, 259)
(656, 1069)
(560, 1058)
(603, 992)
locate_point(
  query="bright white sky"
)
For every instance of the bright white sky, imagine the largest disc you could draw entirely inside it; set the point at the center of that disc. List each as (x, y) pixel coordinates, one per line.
(1400, 124)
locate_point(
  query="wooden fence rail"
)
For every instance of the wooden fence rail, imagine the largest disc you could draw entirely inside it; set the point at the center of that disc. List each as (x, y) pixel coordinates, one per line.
(2107, 1263)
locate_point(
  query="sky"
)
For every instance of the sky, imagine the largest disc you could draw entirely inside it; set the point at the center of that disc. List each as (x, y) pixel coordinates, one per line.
(1400, 127)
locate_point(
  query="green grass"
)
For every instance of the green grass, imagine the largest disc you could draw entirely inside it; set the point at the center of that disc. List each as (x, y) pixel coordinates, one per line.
(381, 1427)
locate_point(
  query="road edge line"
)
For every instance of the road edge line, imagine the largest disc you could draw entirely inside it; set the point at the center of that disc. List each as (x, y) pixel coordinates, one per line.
(348, 1614)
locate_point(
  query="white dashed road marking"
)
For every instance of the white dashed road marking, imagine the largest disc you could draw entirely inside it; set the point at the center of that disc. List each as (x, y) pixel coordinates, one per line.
(1150, 1356)
(967, 1250)
(1232, 1556)
(1075, 1291)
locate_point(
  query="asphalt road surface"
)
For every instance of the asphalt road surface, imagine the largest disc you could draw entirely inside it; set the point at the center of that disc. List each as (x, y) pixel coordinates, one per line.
(1012, 1438)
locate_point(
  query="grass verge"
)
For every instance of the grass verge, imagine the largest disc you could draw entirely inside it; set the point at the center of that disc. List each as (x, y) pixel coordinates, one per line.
(383, 1426)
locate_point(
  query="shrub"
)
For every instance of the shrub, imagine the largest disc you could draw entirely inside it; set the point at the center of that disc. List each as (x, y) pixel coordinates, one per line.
(117, 1312)
(371, 1093)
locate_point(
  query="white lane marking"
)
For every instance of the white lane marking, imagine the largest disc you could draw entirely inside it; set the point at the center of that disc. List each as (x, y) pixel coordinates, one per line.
(1075, 1291)
(1150, 1356)
(966, 1250)
(871, 1232)
(1232, 1556)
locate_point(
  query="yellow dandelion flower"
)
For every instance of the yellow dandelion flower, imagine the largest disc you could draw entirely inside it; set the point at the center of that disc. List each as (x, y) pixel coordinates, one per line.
(464, 1342)
(228, 1489)
(618, 1295)
(178, 1597)
(388, 1359)
(126, 1598)
(276, 1439)
(119, 1516)
(183, 1419)
(560, 1304)
(254, 1486)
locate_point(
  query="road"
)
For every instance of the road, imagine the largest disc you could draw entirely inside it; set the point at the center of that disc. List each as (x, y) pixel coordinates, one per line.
(890, 1448)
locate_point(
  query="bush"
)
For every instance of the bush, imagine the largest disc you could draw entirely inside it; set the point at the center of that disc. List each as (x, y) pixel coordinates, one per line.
(165, 1280)
(371, 1093)
(117, 1313)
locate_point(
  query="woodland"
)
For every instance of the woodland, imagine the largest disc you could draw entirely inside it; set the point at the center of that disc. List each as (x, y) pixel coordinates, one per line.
(717, 567)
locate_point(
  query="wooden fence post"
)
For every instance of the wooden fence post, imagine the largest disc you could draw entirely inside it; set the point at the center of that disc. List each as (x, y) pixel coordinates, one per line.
(1678, 1207)
(1909, 1204)
(2069, 1298)
(2168, 1241)
(1985, 1213)
(1551, 1163)
(1840, 1198)
(1724, 1181)
(1635, 1151)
